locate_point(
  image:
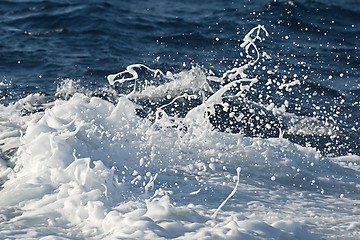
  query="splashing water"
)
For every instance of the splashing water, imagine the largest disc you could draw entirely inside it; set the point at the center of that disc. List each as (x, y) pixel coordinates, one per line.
(159, 161)
(224, 100)
(230, 195)
(231, 79)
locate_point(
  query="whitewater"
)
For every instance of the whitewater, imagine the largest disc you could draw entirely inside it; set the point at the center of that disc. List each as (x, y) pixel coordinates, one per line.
(129, 165)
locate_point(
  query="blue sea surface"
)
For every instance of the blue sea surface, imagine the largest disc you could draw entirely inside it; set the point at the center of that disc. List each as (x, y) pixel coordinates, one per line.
(316, 42)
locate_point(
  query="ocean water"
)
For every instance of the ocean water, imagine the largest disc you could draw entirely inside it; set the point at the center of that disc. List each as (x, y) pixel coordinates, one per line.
(179, 119)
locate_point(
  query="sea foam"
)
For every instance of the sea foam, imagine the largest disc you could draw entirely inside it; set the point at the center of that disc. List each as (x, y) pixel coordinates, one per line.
(85, 167)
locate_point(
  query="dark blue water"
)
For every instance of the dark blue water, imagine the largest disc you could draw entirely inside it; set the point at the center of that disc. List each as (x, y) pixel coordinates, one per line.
(317, 42)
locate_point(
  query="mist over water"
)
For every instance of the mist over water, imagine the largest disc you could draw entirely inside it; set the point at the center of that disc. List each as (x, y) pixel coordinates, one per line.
(179, 120)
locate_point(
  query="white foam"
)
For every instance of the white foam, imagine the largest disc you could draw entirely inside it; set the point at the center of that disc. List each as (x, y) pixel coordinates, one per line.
(74, 168)
(86, 168)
